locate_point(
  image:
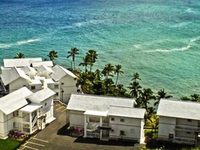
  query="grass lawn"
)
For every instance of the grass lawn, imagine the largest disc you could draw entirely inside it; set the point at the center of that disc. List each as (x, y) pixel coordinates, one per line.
(9, 144)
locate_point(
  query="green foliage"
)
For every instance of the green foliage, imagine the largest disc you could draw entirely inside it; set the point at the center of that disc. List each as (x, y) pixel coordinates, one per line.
(193, 98)
(53, 55)
(9, 144)
(19, 55)
(72, 53)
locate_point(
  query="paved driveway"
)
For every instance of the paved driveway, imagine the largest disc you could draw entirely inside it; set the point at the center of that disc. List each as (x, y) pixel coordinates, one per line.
(54, 137)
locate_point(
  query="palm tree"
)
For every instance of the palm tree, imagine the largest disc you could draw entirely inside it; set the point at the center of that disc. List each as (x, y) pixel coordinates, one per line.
(161, 94)
(195, 97)
(85, 62)
(72, 53)
(145, 96)
(135, 87)
(136, 77)
(97, 74)
(118, 71)
(108, 82)
(92, 56)
(108, 70)
(53, 55)
(19, 55)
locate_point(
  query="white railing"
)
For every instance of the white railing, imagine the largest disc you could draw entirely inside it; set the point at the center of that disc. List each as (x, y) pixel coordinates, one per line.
(34, 128)
(184, 140)
(187, 127)
(34, 121)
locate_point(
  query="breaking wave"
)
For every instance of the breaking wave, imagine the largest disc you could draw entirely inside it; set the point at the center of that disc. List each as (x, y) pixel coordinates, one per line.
(23, 42)
(185, 48)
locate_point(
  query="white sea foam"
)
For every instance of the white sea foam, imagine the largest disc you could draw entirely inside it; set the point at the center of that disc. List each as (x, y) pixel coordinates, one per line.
(182, 24)
(86, 23)
(5, 45)
(190, 10)
(185, 48)
(23, 42)
(137, 46)
(27, 41)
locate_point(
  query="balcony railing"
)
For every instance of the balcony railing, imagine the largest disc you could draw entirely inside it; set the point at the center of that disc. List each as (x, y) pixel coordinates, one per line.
(185, 140)
(187, 128)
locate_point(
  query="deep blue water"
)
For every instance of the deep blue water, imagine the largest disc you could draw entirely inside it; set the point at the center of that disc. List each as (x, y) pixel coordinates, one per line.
(159, 39)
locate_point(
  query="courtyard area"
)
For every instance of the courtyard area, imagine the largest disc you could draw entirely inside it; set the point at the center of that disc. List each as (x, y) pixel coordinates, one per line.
(55, 136)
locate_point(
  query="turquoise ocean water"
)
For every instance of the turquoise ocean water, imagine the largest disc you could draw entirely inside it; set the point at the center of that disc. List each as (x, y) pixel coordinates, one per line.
(160, 39)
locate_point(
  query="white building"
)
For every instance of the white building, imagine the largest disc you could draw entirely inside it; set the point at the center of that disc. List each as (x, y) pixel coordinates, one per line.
(65, 83)
(179, 121)
(36, 74)
(25, 111)
(106, 117)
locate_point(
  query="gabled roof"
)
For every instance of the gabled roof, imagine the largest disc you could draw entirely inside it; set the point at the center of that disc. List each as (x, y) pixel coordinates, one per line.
(44, 68)
(40, 63)
(41, 95)
(30, 108)
(126, 112)
(21, 62)
(179, 109)
(60, 72)
(14, 100)
(10, 75)
(82, 102)
(29, 70)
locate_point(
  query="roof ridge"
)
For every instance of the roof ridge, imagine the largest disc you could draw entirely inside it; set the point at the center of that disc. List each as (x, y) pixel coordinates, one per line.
(179, 100)
(106, 96)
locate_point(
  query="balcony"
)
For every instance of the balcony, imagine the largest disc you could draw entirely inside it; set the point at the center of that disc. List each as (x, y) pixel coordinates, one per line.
(187, 128)
(185, 140)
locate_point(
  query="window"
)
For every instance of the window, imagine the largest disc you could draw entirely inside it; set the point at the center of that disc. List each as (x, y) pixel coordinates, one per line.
(189, 120)
(112, 119)
(56, 93)
(122, 133)
(56, 86)
(132, 130)
(14, 125)
(62, 83)
(45, 104)
(188, 132)
(121, 120)
(171, 136)
(15, 114)
(112, 130)
(32, 87)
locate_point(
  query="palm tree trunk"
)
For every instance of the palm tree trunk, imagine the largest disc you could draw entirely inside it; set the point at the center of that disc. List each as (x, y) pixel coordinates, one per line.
(116, 79)
(74, 64)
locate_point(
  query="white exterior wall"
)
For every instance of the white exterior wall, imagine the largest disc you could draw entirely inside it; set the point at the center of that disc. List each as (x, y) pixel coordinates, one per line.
(76, 118)
(131, 126)
(68, 85)
(37, 87)
(6, 124)
(2, 126)
(47, 108)
(166, 126)
(17, 84)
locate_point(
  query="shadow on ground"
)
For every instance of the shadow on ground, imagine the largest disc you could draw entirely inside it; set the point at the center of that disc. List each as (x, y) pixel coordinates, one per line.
(63, 131)
(110, 142)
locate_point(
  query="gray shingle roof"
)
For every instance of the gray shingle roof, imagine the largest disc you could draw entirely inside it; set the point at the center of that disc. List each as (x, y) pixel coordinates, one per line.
(179, 109)
(14, 100)
(10, 75)
(82, 102)
(41, 95)
(44, 63)
(126, 112)
(60, 72)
